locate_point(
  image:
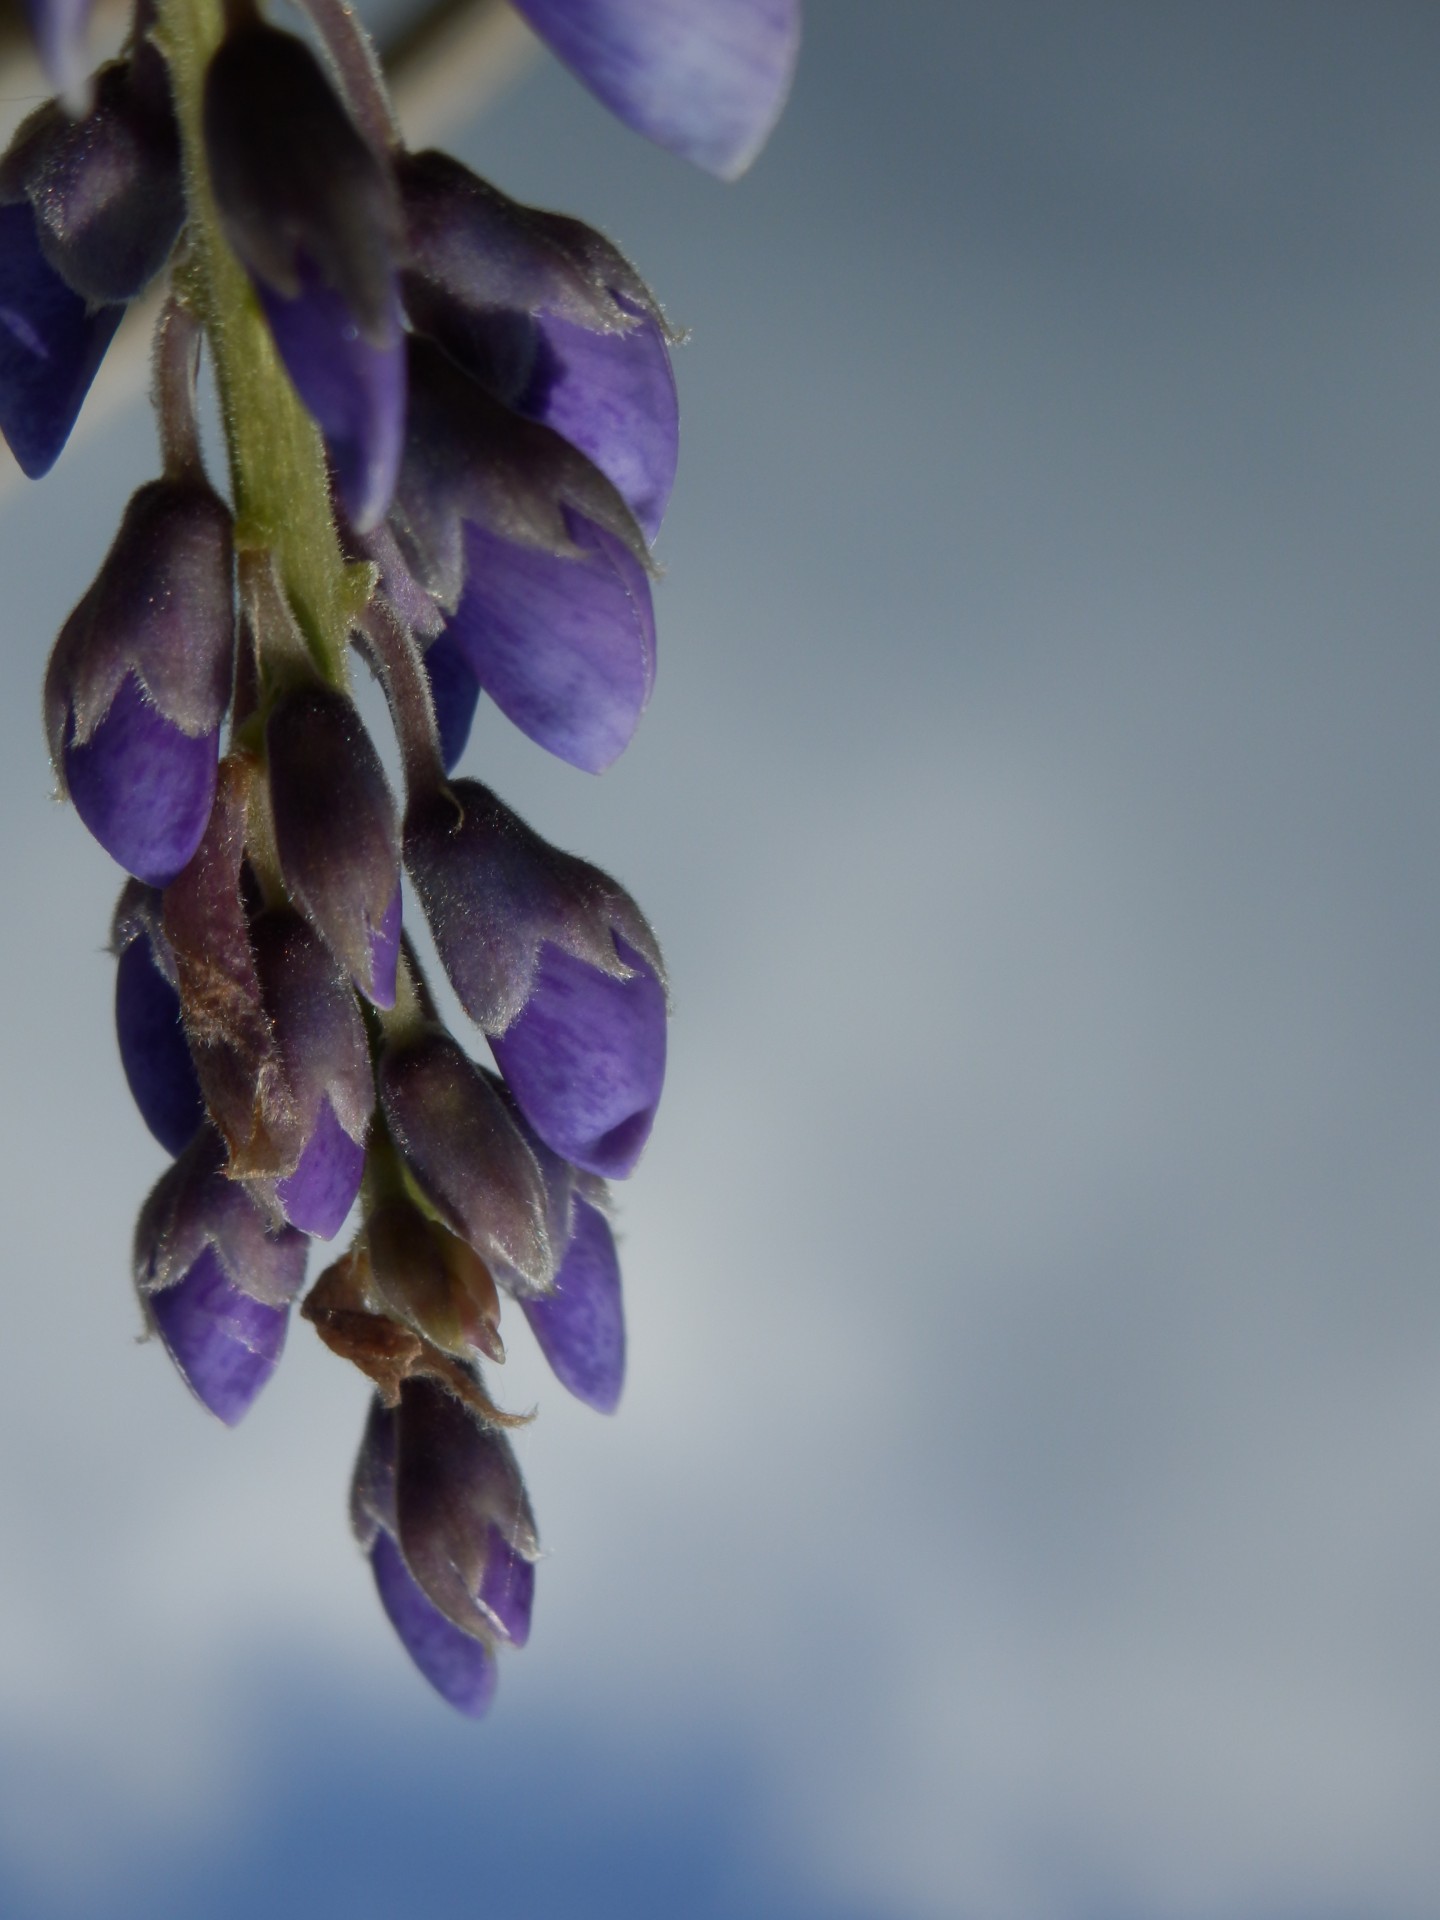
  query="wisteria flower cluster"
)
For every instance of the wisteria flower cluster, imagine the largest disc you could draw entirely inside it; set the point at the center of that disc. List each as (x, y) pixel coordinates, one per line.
(451, 433)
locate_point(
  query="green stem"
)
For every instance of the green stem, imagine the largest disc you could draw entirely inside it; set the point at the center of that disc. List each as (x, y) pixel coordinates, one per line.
(277, 463)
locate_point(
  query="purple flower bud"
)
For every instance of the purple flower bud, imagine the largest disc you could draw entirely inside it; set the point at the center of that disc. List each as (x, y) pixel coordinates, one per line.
(153, 1048)
(336, 833)
(466, 1155)
(61, 29)
(556, 963)
(468, 459)
(140, 678)
(580, 1323)
(51, 345)
(705, 78)
(432, 1281)
(460, 1668)
(215, 1279)
(326, 1062)
(565, 648)
(313, 212)
(105, 190)
(464, 1522)
(455, 692)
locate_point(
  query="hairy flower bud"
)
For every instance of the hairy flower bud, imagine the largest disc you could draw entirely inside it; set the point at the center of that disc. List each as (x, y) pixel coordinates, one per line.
(555, 963)
(336, 832)
(105, 190)
(216, 1280)
(433, 1281)
(466, 1155)
(151, 1035)
(51, 346)
(140, 678)
(313, 212)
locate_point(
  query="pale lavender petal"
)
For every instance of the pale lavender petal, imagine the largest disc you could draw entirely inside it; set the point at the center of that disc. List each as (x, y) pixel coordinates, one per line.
(705, 78)
(581, 1324)
(320, 1192)
(225, 1344)
(153, 1049)
(61, 29)
(460, 1669)
(565, 648)
(612, 395)
(585, 1059)
(51, 345)
(142, 787)
(507, 1588)
(353, 387)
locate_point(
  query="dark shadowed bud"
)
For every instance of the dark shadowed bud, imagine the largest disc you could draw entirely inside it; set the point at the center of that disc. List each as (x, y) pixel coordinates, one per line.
(455, 693)
(461, 1668)
(433, 1281)
(336, 832)
(468, 459)
(105, 190)
(61, 29)
(153, 1048)
(466, 1155)
(550, 318)
(564, 647)
(558, 966)
(705, 78)
(580, 1323)
(464, 1522)
(139, 680)
(51, 344)
(215, 1278)
(326, 1061)
(313, 212)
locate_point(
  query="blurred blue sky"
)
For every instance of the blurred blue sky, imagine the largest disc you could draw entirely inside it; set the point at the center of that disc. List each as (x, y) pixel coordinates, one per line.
(1026, 1500)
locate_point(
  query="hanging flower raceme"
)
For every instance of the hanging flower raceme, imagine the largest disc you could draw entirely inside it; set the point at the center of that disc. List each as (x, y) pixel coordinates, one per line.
(451, 429)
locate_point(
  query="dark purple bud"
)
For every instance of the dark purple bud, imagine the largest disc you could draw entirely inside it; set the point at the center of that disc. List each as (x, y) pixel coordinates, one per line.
(432, 1281)
(464, 1519)
(372, 1485)
(468, 459)
(705, 78)
(313, 212)
(140, 679)
(194, 1207)
(61, 29)
(460, 1668)
(456, 694)
(105, 190)
(336, 833)
(51, 345)
(153, 1048)
(565, 648)
(558, 966)
(580, 1323)
(326, 1061)
(225, 1344)
(466, 1154)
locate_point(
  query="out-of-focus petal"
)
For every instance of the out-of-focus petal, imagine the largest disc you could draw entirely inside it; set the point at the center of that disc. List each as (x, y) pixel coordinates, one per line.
(51, 346)
(461, 1669)
(580, 1323)
(153, 1049)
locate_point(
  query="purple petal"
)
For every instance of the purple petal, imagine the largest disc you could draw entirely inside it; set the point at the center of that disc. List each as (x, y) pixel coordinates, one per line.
(585, 1060)
(142, 787)
(385, 953)
(456, 693)
(153, 1049)
(61, 29)
(320, 1192)
(460, 1669)
(705, 78)
(50, 346)
(224, 1343)
(507, 1588)
(612, 395)
(565, 648)
(354, 389)
(581, 1324)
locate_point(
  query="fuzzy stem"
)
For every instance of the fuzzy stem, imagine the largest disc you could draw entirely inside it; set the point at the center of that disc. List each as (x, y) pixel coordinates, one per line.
(177, 351)
(397, 659)
(357, 67)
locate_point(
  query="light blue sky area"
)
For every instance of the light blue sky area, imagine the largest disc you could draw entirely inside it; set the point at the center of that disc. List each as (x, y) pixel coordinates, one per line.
(1026, 1500)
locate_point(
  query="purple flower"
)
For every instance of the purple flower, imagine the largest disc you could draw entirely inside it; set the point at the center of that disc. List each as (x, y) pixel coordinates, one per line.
(215, 1278)
(61, 29)
(336, 832)
(140, 679)
(148, 1026)
(555, 963)
(460, 1668)
(313, 213)
(455, 692)
(565, 648)
(580, 1323)
(51, 345)
(705, 78)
